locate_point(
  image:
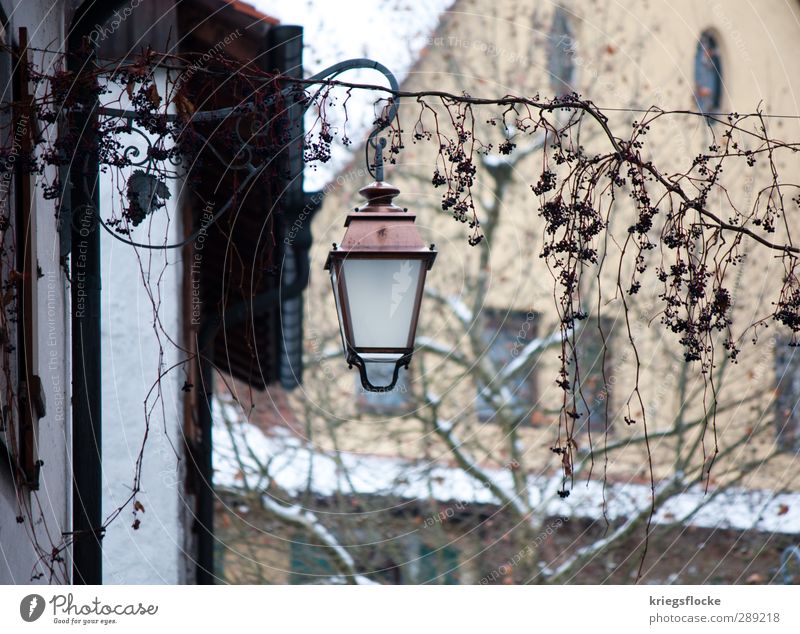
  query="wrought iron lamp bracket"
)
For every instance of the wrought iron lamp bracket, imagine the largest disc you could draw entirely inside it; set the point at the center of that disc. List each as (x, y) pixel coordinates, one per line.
(247, 162)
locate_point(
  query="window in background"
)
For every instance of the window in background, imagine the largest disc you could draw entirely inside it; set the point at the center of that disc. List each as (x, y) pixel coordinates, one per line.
(787, 395)
(434, 566)
(410, 561)
(396, 401)
(561, 53)
(401, 561)
(505, 335)
(310, 564)
(708, 73)
(594, 392)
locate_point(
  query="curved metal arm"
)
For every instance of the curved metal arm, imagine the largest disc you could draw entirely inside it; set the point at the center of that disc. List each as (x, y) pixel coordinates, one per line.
(383, 123)
(363, 63)
(376, 169)
(358, 63)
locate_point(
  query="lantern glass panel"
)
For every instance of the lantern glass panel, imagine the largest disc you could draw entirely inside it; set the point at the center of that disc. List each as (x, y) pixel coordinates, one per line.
(381, 294)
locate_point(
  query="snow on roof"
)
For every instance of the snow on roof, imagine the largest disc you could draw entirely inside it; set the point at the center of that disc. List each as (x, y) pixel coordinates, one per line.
(294, 465)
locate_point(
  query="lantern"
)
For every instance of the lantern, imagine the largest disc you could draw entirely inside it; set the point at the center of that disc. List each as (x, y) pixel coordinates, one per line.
(378, 275)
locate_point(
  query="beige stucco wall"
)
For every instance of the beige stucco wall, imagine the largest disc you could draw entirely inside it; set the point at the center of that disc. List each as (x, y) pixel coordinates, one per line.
(631, 56)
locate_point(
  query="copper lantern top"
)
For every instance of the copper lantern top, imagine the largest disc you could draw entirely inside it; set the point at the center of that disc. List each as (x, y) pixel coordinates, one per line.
(380, 226)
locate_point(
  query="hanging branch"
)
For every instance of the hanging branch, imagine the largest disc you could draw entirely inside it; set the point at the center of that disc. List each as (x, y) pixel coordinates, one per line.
(578, 192)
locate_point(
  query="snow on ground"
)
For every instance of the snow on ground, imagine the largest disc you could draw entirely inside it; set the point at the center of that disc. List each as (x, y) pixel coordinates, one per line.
(294, 466)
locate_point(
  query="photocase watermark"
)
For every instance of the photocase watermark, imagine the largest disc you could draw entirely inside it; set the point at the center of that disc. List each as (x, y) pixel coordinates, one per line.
(20, 131)
(316, 200)
(102, 32)
(384, 376)
(487, 48)
(523, 334)
(31, 607)
(210, 54)
(664, 388)
(528, 551)
(613, 376)
(55, 339)
(66, 611)
(444, 515)
(319, 356)
(732, 34)
(87, 224)
(195, 269)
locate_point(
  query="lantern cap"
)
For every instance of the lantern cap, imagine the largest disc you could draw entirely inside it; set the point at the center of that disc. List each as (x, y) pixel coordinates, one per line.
(381, 229)
(379, 196)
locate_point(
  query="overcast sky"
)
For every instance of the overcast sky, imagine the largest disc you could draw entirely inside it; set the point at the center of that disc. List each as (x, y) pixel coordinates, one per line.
(389, 31)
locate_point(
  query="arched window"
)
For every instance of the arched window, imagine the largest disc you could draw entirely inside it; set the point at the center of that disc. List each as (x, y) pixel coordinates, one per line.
(561, 54)
(708, 73)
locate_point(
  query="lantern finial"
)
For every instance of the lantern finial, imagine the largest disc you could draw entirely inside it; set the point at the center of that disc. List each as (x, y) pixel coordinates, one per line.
(379, 159)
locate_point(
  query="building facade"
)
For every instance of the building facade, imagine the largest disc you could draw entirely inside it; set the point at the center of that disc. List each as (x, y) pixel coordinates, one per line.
(35, 480)
(493, 300)
(452, 476)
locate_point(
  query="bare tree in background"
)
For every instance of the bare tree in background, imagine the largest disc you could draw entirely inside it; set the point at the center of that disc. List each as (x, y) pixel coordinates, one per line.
(499, 439)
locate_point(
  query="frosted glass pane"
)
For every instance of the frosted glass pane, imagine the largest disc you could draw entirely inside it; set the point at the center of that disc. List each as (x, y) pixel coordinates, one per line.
(381, 295)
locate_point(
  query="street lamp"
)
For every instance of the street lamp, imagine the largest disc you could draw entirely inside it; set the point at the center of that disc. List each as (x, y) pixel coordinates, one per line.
(378, 274)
